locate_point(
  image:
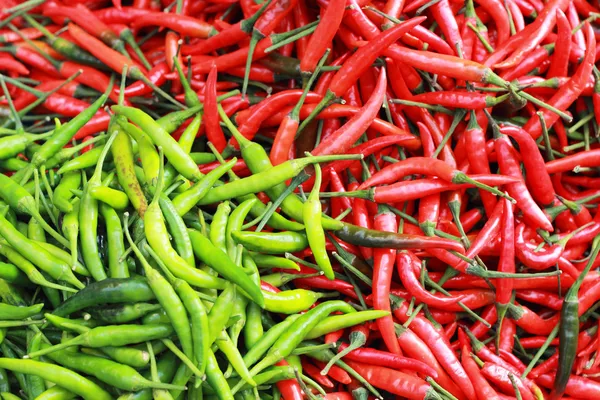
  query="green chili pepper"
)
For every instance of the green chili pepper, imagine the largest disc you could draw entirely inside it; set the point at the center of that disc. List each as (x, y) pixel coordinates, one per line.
(117, 268)
(165, 368)
(29, 269)
(159, 239)
(218, 226)
(57, 393)
(290, 301)
(234, 224)
(112, 197)
(263, 181)
(37, 255)
(10, 146)
(88, 216)
(117, 335)
(63, 256)
(311, 213)
(62, 193)
(272, 243)
(35, 383)
(256, 352)
(13, 164)
(166, 296)
(253, 328)
(12, 274)
(63, 135)
(270, 376)
(120, 376)
(234, 357)
(108, 291)
(185, 201)
(337, 322)
(7, 351)
(70, 228)
(187, 138)
(196, 310)
(122, 313)
(21, 201)
(54, 373)
(10, 312)
(123, 156)
(216, 380)
(269, 261)
(221, 312)
(156, 317)
(148, 155)
(178, 230)
(84, 161)
(220, 262)
(182, 162)
(290, 339)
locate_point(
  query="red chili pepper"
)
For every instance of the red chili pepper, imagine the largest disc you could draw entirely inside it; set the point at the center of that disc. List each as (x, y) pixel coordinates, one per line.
(411, 190)
(346, 136)
(444, 16)
(113, 59)
(440, 345)
(289, 388)
(577, 386)
(156, 75)
(315, 373)
(483, 389)
(82, 16)
(383, 268)
(214, 133)
(537, 177)
(183, 24)
(406, 265)
(506, 263)
(323, 35)
(567, 94)
(393, 381)
(510, 166)
(500, 377)
(410, 142)
(389, 360)
(335, 373)
(560, 60)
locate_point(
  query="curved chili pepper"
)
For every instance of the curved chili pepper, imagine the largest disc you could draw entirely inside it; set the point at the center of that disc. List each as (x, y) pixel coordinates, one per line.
(537, 176)
(510, 166)
(482, 388)
(344, 138)
(406, 269)
(567, 94)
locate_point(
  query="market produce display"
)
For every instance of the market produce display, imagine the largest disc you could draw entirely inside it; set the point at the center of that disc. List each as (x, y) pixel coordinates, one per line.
(299, 199)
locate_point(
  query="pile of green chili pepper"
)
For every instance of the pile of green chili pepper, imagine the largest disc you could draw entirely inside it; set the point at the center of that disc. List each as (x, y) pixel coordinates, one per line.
(299, 199)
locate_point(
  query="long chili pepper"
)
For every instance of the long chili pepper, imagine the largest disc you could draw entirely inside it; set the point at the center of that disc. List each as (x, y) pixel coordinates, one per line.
(422, 166)
(506, 263)
(322, 36)
(359, 62)
(567, 94)
(383, 267)
(510, 166)
(288, 128)
(314, 229)
(406, 271)
(214, 133)
(88, 217)
(537, 178)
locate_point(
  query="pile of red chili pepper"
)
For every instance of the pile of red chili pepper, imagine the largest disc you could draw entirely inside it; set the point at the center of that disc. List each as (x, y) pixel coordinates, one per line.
(299, 199)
